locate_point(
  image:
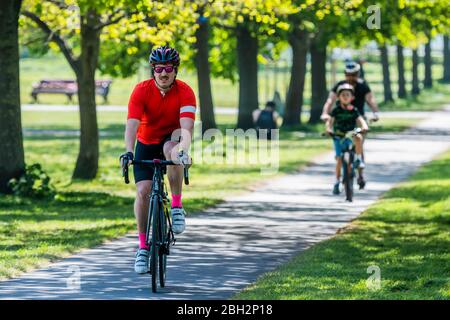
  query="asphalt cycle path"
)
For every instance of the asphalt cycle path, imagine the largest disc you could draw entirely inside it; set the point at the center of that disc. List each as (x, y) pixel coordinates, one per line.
(227, 247)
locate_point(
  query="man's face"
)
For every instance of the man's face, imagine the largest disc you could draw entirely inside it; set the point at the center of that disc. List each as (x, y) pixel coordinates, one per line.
(345, 97)
(351, 77)
(164, 75)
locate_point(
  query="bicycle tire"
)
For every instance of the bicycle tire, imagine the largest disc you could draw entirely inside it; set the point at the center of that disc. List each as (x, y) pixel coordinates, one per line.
(162, 255)
(348, 181)
(155, 242)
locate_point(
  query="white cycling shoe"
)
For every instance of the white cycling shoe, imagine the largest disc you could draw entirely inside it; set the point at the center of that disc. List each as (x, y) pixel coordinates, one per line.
(141, 262)
(178, 221)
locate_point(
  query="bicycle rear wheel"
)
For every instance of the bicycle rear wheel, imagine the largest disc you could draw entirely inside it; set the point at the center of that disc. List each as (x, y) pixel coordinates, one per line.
(155, 243)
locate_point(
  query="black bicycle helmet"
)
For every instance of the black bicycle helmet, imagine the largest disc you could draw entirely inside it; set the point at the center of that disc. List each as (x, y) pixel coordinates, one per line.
(163, 55)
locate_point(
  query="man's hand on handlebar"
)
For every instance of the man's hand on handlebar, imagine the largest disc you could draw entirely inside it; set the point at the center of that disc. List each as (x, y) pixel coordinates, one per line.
(184, 159)
(375, 117)
(126, 159)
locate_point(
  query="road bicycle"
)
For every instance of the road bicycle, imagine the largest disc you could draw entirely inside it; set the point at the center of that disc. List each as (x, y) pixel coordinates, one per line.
(159, 234)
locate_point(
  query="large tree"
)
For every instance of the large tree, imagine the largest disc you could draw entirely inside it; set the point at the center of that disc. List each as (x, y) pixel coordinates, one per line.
(299, 41)
(80, 29)
(401, 72)
(202, 63)
(252, 25)
(415, 89)
(446, 62)
(12, 160)
(384, 56)
(331, 20)
(428, 79)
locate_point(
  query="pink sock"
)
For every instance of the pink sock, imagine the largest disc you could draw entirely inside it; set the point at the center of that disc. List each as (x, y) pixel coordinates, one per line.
(142, 244)
(176, 200)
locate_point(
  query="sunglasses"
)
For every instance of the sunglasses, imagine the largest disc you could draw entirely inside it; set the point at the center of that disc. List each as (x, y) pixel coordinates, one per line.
(168, 69)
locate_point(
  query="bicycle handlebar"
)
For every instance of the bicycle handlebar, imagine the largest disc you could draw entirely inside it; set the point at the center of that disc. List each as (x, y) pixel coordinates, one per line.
(154, 162)
(351, 133)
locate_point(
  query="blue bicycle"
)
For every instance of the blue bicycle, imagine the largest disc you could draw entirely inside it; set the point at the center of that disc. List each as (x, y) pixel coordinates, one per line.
(348, 159)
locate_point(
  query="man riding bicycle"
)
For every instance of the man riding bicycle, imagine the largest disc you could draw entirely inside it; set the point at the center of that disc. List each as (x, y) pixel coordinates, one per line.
(345, 117)
(161, 114)
(362, 94)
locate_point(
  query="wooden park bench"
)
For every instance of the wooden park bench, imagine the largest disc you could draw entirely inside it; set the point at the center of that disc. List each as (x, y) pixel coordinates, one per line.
(69, 88)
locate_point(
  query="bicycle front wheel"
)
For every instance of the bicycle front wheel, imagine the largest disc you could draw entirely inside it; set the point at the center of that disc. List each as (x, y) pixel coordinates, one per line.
(348, 180)
(163, 248)
(155, 242)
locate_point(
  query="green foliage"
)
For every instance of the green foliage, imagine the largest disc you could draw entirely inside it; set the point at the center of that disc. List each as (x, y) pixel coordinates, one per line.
(128, 29)
(34, 183)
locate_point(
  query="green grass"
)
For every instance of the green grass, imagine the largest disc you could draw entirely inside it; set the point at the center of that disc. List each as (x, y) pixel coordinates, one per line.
(429, 99)
(406, 234)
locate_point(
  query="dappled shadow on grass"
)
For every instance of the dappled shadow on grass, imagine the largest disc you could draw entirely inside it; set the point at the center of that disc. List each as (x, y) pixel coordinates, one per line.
(67, 206)
(438, 170)
(427, 194)
(412, 266)
(428, 99)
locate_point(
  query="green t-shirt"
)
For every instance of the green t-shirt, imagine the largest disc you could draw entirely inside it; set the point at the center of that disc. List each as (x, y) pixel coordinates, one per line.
(344, 120)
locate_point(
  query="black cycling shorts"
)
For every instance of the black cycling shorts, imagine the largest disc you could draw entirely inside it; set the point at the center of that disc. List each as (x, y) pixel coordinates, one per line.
(147, 152)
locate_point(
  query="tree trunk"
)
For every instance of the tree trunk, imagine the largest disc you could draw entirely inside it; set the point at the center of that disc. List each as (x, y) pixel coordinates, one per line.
(298, 41)
(87, 161)
(318, 80)
(446, 73)
(203, 76)
(247, 52)
(428, 80)
(12, 162)
(415, 73)
(386, 75)
(401, 72)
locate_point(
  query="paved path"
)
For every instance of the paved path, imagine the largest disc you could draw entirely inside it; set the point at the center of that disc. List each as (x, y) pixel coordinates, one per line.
(228, 247)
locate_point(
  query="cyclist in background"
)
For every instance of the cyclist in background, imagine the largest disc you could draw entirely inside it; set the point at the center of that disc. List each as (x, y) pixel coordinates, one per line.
(345, 117)
(161, 114)
(362, 94)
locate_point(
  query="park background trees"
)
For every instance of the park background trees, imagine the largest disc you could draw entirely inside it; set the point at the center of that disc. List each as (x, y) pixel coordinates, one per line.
(217, 39)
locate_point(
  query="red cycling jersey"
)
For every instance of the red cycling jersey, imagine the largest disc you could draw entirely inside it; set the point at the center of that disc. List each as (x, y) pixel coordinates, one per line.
(160, 114)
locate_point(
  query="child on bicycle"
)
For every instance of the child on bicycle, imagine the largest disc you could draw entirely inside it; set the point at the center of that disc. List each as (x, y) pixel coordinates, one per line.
(343, 118)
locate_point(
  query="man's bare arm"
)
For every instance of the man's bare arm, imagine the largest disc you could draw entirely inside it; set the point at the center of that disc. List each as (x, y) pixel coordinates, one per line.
(187, 126)
(370, 99)
(328, 105)
(329, 125)
(130, 134)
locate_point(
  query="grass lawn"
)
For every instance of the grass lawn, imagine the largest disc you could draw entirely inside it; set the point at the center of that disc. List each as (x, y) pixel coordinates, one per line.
(406, 234)
(430, 99)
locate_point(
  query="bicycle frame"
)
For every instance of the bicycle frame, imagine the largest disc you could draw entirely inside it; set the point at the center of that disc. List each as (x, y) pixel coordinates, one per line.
(158, 191)
(347, 157)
